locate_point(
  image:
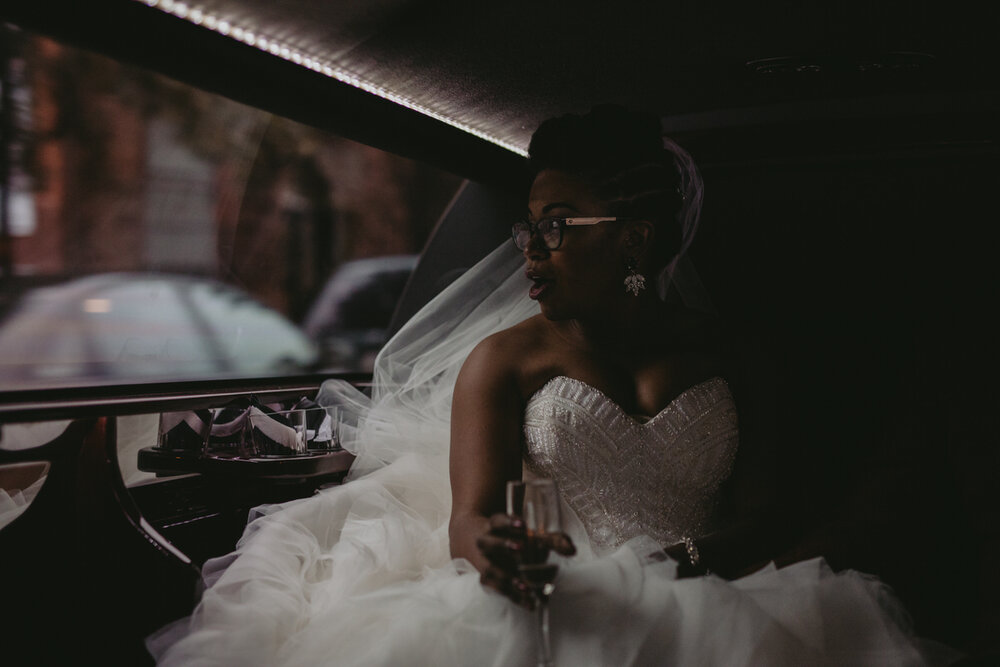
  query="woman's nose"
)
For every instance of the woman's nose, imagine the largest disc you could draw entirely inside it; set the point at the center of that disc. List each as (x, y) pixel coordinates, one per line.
(536, 247)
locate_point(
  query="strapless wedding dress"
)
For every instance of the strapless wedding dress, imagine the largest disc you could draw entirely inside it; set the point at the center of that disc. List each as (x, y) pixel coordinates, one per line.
(360, 574)
(623, 476)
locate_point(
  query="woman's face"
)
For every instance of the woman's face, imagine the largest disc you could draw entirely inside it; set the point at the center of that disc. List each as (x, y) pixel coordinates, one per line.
(581, 278)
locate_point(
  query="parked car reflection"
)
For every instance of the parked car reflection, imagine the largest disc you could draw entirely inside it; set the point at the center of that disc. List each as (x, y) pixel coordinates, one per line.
(350, 318)
(136, 326)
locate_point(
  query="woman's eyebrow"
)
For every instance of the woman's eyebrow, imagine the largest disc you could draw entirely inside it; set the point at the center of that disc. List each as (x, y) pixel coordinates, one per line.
(553, 205)
(558, 204)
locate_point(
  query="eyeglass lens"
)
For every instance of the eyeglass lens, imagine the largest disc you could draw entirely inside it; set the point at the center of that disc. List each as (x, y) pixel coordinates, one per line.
(549, 229)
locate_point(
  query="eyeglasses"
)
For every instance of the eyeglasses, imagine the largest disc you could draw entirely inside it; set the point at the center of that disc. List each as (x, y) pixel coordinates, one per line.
(549, 229)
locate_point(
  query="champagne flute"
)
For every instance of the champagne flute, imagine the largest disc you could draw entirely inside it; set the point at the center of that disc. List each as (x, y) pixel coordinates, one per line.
(536, 502)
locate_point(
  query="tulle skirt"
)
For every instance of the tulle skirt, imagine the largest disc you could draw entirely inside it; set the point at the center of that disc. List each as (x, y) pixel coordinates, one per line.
(361, 575)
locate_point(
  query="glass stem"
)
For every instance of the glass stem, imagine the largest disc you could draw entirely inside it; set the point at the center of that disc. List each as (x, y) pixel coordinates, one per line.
(544, 649)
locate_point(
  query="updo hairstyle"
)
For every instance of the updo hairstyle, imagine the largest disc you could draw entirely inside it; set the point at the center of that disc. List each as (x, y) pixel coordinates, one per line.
(620, 153)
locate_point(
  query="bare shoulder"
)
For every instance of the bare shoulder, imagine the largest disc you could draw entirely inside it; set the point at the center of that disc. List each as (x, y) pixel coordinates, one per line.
(501, 356)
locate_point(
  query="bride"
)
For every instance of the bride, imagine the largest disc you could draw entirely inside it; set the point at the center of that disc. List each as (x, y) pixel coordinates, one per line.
(585, 352)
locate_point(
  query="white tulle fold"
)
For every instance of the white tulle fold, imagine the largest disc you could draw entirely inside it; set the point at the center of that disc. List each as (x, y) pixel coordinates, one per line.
(387, 525)
(409, 411)
(361, 575)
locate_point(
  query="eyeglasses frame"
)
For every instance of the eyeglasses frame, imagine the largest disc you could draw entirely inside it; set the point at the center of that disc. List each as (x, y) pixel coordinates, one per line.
(563, 222)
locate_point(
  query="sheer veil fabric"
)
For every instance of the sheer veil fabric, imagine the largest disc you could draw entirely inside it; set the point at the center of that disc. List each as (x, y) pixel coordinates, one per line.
(410, 407)
(380, 534)
(361, 573)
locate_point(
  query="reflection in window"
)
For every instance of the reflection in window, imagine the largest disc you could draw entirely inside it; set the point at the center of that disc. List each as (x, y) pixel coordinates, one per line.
(19, 484)
(21, 481)
(115, 170)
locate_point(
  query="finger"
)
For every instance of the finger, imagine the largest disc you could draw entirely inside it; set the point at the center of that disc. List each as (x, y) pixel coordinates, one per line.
(510, 587)
(497, 579)
(523, 595)
(560, 543)
(503, 524)
(500, 551)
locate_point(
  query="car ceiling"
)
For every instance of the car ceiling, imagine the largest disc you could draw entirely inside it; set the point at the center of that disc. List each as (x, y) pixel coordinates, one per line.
(497, 70)
(500, 69)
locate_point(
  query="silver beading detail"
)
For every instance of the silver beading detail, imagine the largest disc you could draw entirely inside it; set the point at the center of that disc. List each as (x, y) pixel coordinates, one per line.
(692, 551)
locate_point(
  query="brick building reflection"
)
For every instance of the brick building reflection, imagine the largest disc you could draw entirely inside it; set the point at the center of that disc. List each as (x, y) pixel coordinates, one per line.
(130, 171)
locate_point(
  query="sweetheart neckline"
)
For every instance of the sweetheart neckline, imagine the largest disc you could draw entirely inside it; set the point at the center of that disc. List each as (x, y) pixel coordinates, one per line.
(618, 407)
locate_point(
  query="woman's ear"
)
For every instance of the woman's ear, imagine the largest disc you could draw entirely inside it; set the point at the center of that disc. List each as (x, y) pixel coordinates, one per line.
(638, 238)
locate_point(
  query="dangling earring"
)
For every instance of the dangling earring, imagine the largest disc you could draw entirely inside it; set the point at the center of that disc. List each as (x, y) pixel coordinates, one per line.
(635, 282)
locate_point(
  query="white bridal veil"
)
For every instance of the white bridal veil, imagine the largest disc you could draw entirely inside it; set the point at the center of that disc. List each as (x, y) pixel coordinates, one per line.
(362, 573)
(410, 405)
(409, 409)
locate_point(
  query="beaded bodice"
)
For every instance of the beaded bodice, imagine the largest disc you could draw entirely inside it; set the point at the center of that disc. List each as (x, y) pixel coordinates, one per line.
(624, 477)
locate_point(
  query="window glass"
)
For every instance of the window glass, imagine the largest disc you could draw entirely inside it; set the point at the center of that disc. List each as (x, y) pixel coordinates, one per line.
(151, 230)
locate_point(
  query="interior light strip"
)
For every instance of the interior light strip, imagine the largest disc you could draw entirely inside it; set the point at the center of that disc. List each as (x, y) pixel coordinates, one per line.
(200, 17)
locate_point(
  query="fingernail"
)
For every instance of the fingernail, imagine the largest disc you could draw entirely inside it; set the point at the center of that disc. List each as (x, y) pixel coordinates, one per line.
(517, 523)
(513, 546)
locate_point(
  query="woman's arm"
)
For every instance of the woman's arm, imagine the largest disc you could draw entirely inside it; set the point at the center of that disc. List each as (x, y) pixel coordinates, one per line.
(486, 425)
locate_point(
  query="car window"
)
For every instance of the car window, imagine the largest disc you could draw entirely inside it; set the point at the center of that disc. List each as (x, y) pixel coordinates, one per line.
(350, 318)
(154, 231)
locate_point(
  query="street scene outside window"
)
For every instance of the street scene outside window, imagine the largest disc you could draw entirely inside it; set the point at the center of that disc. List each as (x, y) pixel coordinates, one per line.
(153, 231)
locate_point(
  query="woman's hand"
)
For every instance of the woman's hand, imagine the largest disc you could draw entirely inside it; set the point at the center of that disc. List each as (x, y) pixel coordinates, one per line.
(505, 545)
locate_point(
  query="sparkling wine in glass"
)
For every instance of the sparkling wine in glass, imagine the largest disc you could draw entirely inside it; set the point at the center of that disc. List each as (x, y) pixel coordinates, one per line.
(536, 502)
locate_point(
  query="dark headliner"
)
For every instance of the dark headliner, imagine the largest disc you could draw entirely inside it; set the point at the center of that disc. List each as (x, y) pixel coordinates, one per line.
(500, 68)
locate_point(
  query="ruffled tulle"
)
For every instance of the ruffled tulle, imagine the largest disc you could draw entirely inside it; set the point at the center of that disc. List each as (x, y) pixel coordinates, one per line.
(352, 596)
(386, 526)
(360, 574)
(311, 559)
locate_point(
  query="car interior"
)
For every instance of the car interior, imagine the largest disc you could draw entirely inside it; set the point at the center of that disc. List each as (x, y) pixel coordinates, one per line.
(848, 240)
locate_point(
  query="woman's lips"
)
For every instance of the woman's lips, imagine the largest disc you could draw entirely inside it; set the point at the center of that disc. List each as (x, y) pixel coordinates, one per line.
(538, 287)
